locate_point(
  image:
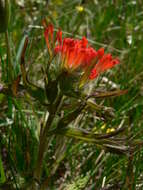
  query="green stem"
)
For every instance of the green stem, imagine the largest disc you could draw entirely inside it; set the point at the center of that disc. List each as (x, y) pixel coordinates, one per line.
(10, 68)
(41, 151)
(43, 139)
(42, 146)
(2, 174)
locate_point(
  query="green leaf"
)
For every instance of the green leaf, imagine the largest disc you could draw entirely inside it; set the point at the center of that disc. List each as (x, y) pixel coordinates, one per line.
(52, 90)
(18, 55)
(37, 93)
(67, 82)
(88, 136)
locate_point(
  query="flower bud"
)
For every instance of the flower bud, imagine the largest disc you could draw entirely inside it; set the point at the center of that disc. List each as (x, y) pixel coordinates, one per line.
(4, 15)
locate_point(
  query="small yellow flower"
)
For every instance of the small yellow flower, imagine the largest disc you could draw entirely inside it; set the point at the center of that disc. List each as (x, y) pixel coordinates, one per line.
(112, 130)
(109, 130)
(103, 126)
(80, 8)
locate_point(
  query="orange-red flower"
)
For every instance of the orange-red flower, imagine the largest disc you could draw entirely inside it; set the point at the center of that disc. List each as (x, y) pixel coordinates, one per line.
(104, 62)
(77, 53)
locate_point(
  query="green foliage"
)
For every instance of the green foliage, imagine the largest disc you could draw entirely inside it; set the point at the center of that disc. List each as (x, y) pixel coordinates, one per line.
(2, 174)
(4, 15)
(78, 184)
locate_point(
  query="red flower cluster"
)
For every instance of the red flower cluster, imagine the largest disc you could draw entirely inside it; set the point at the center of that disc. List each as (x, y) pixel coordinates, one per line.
(77, 53)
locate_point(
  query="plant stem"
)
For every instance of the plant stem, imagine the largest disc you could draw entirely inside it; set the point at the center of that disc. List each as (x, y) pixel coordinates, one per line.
(2, 177)
(42, 146)
(41, 151)
(43, 138)
(10, 68)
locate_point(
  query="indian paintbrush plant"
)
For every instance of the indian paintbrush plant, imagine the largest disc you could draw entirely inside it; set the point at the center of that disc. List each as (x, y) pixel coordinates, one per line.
(72, 65)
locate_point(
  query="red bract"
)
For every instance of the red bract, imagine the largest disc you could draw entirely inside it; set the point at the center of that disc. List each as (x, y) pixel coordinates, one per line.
(104, 63)
(59, 37)
(77, 53)
(48, 33)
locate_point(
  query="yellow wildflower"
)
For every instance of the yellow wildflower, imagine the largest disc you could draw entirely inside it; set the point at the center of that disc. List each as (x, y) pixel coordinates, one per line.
(80, 8)
(109, 130)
